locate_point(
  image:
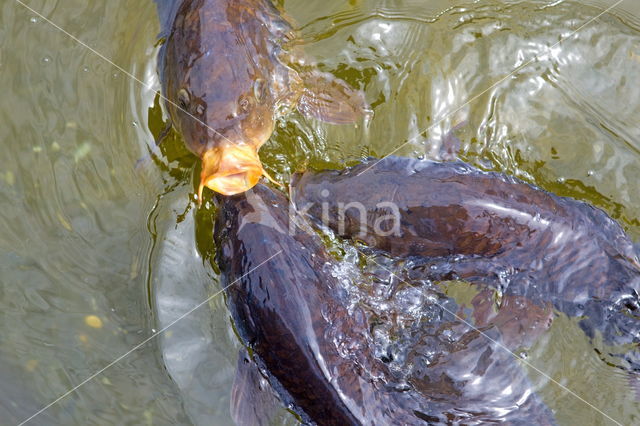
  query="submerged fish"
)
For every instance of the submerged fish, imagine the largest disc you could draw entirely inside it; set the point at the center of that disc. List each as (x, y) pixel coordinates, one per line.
(226, 79)
(489, 228)
(290, 309)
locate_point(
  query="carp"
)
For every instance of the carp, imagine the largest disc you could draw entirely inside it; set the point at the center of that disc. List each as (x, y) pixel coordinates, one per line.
(226, 78)
(488, 228)
(290, 309)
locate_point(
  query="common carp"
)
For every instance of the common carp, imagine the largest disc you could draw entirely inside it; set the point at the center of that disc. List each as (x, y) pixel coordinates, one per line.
(290, 309)
(226, 79)
(487, 227)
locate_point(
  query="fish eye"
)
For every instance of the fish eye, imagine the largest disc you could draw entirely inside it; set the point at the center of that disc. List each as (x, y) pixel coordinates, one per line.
(260, 90)
(183, 98)
(244, 104)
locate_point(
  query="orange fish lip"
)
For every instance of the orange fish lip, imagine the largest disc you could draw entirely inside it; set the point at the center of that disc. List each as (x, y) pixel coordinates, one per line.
(230, 170)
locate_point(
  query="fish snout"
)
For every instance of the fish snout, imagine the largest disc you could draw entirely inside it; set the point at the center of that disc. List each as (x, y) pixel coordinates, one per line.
(230, 170)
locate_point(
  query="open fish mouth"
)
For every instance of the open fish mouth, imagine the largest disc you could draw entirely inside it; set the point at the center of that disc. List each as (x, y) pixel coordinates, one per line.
(235, 183)
(230, 170)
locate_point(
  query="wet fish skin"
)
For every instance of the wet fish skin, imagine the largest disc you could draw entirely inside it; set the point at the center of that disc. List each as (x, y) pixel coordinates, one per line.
(286, 309)
(222, 78)
(215, 53)
(223, 72)
(489, 228)
(290, 312)
(453, 209)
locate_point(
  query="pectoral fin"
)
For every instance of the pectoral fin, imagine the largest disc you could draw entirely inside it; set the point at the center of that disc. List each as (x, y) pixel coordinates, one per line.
(253, 402)
(331, 99)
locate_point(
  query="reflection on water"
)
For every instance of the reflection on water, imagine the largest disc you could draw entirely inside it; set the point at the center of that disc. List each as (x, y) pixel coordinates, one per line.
(73, 235)
(199, 350)
(86, 210)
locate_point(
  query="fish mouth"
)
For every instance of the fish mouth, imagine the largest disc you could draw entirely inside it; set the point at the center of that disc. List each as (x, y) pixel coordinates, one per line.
(230, 170)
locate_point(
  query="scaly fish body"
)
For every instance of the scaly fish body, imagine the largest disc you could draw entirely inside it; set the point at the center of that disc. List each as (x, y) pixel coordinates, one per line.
(290, 309)
(488, 228)
(285, 309)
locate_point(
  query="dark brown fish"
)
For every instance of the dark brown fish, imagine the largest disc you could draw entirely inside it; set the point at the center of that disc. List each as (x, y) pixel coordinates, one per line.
(285, 308)
(226, 79)
(491, 228)
(290, 310)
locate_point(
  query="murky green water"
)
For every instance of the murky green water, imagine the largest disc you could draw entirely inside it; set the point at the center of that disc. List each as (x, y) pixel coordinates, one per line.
(87, 217)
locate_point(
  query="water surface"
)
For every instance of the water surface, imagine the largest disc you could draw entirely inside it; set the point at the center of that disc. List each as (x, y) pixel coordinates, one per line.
(88, 216)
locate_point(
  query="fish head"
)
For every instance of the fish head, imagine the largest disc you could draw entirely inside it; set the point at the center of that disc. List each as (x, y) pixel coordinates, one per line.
(223, 81)
(225, 121)
(219, 94)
